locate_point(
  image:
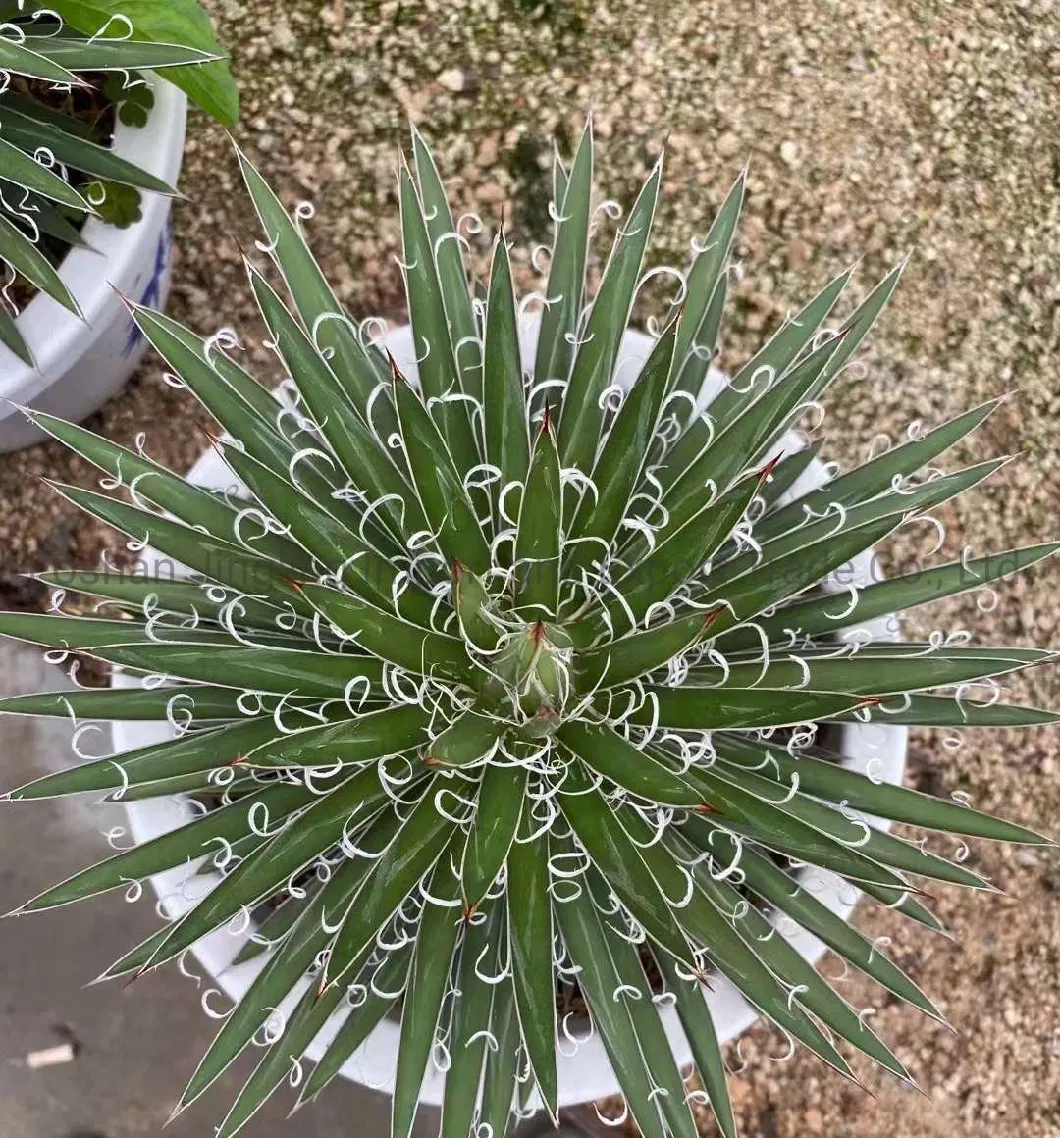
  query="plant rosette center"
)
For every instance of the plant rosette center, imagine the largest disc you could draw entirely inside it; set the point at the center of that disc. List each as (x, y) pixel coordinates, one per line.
(532, 669)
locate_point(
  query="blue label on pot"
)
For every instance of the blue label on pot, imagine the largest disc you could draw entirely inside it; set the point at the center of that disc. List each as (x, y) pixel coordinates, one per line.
(152, 294)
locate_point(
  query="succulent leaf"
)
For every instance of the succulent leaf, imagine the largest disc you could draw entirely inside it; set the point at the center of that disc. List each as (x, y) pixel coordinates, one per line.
(430, 976)
(566, 279)
(596, 359)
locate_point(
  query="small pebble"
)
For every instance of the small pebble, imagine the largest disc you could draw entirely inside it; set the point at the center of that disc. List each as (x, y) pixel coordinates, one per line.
(728, 145)
(453, 80)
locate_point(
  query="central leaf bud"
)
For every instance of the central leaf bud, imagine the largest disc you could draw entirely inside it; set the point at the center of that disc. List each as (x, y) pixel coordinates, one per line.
(534, 663)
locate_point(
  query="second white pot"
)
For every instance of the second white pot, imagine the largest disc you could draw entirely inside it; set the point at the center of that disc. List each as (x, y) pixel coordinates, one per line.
(584, 1073)
(81, 364)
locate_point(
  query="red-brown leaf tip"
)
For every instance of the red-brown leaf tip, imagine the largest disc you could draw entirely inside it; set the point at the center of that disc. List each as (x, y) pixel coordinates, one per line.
(709, 618)
(395, 371)
(770, 466)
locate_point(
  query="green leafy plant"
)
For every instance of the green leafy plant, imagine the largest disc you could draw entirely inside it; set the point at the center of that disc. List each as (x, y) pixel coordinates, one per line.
(57, 81)
(133, 101)
(492, 686)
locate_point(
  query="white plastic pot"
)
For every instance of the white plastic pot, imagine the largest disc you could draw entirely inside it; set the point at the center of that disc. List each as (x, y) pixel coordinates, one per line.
(586, 1074)
(81, 364)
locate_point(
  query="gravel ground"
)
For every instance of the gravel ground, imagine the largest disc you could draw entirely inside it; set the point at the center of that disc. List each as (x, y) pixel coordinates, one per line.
(871, 128)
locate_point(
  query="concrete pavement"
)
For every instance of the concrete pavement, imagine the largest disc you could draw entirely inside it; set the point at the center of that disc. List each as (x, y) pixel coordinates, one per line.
(136, 1047)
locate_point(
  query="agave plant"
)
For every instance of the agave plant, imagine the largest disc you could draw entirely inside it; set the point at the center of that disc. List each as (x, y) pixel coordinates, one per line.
(56, 165)
(496, 685)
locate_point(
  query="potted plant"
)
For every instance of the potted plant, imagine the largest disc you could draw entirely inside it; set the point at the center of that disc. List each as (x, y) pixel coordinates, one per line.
(91, 143)
(505, 733)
